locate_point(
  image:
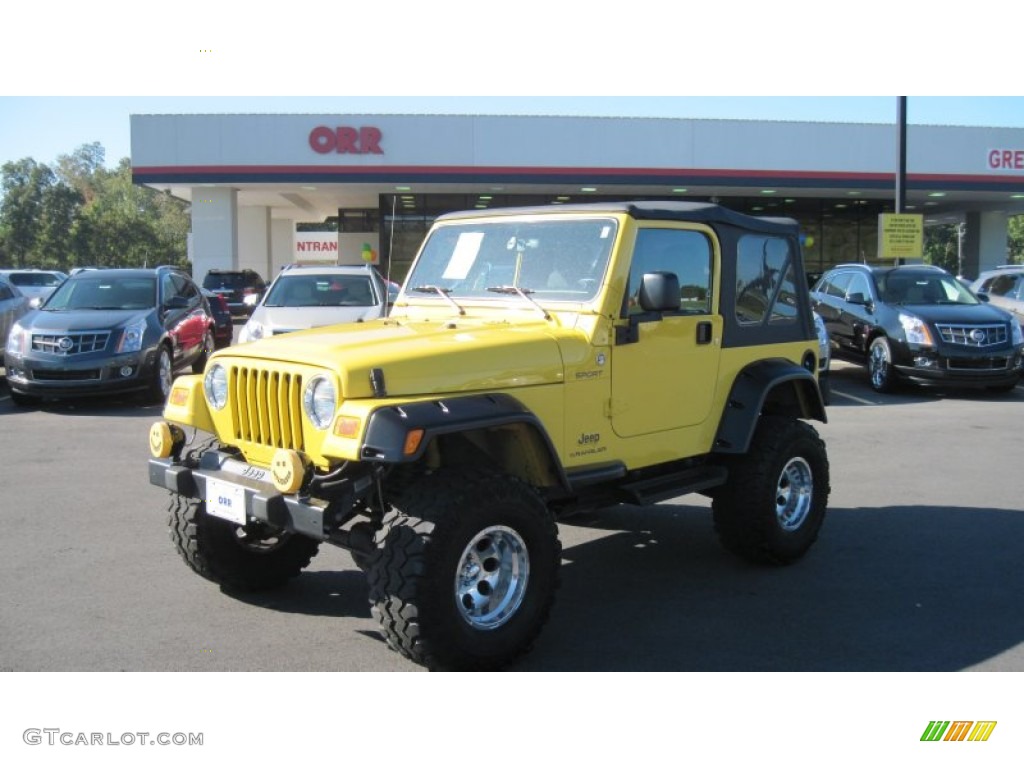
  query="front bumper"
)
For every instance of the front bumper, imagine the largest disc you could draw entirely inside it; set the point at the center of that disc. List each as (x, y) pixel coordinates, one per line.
(52, 376)
(962, 367)
(262, 501)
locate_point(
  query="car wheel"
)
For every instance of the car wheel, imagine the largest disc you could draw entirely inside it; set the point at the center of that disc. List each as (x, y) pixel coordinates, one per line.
(880, 370)
(163, 375)
(248, 558)
(774, 503)
(465, 570)
(208, 346)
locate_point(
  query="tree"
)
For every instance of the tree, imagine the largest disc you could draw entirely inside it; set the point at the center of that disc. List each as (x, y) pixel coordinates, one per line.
(24, 183)
(81, 168)
(940, 247)
(1015, 239)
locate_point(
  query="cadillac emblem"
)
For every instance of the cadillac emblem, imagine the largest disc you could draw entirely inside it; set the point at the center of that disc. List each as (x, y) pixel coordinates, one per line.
(65, 344)
(978, 336)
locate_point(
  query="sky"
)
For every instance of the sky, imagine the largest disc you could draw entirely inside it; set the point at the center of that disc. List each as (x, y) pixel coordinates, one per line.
(45, 127)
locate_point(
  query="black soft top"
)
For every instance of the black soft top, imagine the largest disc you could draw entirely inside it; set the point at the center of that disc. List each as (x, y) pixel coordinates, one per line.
(670, 210)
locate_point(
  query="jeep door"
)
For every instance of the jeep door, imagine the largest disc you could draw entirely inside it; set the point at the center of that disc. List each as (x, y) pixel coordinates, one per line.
(665, 364)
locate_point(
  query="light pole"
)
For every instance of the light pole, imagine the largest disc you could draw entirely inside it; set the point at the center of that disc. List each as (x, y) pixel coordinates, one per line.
(961, 230)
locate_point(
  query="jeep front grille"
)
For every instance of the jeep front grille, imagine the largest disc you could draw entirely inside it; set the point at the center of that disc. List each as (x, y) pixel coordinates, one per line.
(77, 343)
(267, 407)
(973, 335)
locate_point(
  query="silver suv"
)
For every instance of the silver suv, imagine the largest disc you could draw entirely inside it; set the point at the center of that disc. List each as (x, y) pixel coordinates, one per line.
(307, 297)
(1003, 287)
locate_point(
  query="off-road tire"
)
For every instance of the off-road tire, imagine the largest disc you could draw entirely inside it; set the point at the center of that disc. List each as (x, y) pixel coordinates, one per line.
(218, 550)
(773, 505)
(465, 570)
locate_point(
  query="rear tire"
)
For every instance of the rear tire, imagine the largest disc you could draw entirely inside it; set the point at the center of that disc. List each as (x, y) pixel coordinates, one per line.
(774, 503)
(209, 345)
(465, 572)
(249, 559)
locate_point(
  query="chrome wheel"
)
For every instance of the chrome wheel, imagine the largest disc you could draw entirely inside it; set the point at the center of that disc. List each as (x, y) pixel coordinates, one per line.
(164, 373)
(794, 494)
(879, 365)
(491, 578)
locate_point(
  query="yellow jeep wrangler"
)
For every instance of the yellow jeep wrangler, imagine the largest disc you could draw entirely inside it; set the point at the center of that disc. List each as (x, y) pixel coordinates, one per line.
(536, 360)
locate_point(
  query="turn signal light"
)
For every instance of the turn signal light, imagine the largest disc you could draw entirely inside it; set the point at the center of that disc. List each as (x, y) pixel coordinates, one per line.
(412, 442)
(346, 426)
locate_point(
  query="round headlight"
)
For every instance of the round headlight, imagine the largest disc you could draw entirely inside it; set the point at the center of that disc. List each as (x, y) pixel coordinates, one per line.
(215, 383)
(320, 400)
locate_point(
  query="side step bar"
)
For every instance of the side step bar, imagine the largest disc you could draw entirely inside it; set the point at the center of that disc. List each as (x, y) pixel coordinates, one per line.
(655, 489)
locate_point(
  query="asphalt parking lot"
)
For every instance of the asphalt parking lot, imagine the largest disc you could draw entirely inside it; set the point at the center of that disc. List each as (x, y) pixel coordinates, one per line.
(917, 567)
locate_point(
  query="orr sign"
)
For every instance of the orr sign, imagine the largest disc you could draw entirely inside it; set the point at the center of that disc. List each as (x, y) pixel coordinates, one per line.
(345, 140)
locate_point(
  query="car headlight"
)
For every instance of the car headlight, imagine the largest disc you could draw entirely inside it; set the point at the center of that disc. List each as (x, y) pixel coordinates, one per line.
(252, 331)
(320, 400)
(215, 384)
(916, 330)
(131, 337)
(1015, 331)
(17, 340)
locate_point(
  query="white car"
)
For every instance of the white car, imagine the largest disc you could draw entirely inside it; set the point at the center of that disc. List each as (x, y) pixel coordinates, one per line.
(35, 284)
(307, 297)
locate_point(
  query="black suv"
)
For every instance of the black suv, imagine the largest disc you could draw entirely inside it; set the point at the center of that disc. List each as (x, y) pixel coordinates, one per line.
(918, 323)
(242, 289)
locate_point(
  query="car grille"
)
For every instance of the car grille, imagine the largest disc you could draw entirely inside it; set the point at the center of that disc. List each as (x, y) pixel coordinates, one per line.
(92, 374)
(267, 407)
(973, 335)
(77, 343)
(978, 364)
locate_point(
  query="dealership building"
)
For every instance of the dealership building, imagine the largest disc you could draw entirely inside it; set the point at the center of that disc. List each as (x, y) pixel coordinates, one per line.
(380, 180)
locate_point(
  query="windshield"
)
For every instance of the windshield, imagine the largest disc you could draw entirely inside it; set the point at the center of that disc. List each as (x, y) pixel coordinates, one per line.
(322, 291)
(921, 288)
(37, 279)
(104, 293)
(555, 260)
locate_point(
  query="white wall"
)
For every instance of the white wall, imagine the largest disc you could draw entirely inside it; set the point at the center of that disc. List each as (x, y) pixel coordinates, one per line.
(214, 229)
(254, 239)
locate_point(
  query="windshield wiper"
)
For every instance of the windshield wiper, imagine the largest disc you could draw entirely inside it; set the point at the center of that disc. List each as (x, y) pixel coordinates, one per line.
(519, 291)
(442, 292)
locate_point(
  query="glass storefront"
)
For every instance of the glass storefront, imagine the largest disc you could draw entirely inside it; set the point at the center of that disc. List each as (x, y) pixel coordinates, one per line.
(833, 231)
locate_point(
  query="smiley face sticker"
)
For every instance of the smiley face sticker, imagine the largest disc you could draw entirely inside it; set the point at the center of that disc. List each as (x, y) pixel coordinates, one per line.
(287, 471)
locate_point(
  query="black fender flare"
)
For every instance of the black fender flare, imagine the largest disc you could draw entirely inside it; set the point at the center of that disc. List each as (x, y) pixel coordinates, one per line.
(788, 388)
(387, 427)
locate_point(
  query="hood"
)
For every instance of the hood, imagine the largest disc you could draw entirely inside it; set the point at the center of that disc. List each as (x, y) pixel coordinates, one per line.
(56, 321)
(301, 318)
(420, 357)
(966, 314)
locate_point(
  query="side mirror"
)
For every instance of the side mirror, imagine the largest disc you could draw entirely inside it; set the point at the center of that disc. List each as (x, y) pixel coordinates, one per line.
(857, 298)
(659, 292)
